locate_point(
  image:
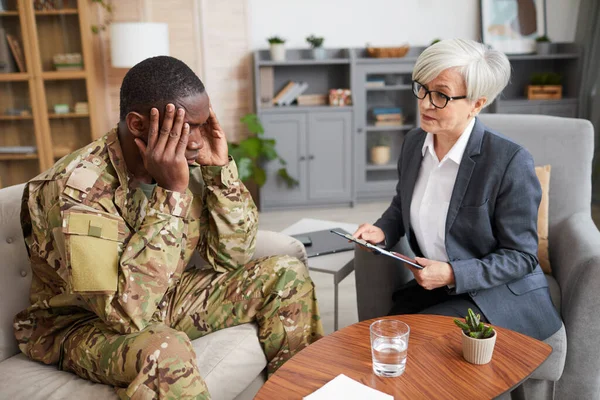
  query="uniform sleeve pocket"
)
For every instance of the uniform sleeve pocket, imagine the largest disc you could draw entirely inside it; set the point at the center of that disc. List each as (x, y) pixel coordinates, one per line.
(93, 251)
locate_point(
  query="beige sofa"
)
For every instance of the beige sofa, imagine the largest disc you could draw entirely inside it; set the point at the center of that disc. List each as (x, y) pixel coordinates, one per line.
(231, 361)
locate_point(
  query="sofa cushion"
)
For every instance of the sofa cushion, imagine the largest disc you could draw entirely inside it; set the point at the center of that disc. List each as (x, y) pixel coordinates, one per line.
(543, 174)
(229, 360)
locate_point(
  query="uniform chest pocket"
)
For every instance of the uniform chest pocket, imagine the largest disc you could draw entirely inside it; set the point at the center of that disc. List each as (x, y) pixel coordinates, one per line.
(93, 250)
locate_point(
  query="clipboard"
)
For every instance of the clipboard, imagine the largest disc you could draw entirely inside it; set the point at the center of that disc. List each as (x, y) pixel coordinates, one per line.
(379, 250)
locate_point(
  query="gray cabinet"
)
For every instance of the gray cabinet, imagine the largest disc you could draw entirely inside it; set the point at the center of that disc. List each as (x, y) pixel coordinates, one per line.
(377, 87)
(318, 150)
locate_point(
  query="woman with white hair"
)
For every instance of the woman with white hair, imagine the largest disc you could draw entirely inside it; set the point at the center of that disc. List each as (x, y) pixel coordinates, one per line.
(467, 199)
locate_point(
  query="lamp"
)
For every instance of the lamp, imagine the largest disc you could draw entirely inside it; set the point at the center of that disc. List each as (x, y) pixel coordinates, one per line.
(132, 42)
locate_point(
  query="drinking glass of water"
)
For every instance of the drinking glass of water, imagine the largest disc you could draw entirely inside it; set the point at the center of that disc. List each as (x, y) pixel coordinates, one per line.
(389, 347)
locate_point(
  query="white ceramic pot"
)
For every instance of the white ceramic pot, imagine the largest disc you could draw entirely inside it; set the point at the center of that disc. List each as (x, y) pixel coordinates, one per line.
(380, 155)
(478, 351)
(318, 53)
(543, 47)
(278, 52)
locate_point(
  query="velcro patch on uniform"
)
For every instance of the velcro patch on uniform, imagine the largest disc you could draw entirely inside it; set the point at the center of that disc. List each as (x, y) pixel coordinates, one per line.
(83, 178)
(92, 225)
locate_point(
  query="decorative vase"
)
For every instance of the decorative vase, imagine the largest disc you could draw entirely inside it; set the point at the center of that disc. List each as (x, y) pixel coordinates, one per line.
(278, 52)
(380, 155)
(318, 53)
(478, 351)
(543, 47)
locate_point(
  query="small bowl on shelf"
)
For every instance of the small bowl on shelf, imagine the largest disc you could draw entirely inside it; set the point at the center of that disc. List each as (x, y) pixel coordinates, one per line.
(388, 52)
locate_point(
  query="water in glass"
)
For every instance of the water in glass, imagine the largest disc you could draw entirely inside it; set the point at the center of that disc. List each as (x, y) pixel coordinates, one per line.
(389, 356)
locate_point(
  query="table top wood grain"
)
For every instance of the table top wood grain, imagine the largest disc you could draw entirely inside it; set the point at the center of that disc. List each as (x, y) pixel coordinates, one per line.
(435, 367)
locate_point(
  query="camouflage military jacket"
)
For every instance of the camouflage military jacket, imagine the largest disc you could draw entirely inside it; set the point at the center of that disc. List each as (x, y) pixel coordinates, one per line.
(99, 248)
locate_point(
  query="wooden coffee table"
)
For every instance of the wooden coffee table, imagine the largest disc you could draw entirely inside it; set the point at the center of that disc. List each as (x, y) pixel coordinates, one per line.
(435, 367)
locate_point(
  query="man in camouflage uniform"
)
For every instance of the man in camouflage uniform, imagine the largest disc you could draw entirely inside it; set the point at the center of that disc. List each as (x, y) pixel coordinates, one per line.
(111, 228)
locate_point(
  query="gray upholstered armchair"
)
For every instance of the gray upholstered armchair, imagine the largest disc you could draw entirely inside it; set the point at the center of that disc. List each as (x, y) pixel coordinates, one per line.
(574, 244)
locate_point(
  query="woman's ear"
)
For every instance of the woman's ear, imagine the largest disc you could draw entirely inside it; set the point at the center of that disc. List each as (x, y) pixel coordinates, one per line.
(137, 125)
(479, 104)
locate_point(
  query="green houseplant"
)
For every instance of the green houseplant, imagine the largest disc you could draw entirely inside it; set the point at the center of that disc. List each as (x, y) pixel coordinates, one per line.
(478, 339)
(545, 86)
(316, 43)
(543, 45)
(251, 154)
(277, 47)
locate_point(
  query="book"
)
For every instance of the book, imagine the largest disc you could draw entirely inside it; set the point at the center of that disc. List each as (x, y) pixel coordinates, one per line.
(389, 123)
(282, 92)
(288, 95)
(297, 91)
(388, 117)
(267, 85)
(312, 99)
(386, 110)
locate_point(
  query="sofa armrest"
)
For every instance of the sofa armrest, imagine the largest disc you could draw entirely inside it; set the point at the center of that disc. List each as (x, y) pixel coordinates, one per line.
(575, 260)
(269, 243)
(377, 277)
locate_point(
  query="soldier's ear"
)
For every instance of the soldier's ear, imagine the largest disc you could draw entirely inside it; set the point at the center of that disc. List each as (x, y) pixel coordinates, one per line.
(137, 125)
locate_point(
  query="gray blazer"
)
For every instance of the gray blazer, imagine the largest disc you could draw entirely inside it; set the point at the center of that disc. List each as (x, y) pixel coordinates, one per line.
(491, 229)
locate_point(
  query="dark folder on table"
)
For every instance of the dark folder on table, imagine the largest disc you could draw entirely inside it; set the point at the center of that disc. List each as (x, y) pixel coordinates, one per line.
(323, 242)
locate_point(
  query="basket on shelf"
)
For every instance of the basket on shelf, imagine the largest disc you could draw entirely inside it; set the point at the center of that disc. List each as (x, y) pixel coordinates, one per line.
(388, 52)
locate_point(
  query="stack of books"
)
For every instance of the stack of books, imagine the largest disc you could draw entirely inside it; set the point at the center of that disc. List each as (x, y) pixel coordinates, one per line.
(387, 116)
(312, 100)
(81, 107)
(375, 82)
(289, 93)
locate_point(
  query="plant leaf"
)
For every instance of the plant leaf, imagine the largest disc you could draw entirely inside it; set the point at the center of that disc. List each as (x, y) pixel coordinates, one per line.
(259, 176)
(244, 166)
(251, 147)
(291, 182)
(253, 124)
(461, 325)
(268, 149)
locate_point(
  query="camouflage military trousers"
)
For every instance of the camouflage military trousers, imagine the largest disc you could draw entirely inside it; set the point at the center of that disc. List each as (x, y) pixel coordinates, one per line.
(159, 361)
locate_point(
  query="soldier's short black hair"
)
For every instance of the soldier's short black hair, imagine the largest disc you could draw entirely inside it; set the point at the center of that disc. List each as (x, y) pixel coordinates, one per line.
(155, 82)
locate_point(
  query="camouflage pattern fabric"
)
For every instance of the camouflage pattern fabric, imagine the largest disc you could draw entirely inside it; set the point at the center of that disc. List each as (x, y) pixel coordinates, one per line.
(110, 286)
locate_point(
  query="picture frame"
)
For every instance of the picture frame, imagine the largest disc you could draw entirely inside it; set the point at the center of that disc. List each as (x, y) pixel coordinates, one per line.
(17, 52)
(511, 26)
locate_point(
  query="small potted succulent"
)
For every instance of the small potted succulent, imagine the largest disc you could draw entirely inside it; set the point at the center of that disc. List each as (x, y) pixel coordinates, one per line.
(380, 150)
(544, 86)
(277, 45)
(543, 45)
(316, 43)
(478, 339)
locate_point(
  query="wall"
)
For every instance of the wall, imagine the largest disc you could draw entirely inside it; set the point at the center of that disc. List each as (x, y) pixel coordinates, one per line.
(353, 23)
(211, 37)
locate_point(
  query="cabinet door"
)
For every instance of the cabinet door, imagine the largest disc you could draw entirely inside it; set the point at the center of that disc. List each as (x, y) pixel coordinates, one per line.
(329, 155)
(289, 131)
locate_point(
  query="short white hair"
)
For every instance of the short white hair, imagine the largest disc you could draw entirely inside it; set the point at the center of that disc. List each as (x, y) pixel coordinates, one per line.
(486, 71)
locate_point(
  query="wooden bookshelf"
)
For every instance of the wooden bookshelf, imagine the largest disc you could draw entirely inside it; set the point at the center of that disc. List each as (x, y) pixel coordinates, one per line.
(43, 34)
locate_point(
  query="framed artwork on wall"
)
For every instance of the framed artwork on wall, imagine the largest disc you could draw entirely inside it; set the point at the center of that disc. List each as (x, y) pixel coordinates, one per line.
(511, 26)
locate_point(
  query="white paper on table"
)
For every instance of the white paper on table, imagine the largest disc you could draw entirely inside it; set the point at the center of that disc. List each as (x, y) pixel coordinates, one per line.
(343, 388)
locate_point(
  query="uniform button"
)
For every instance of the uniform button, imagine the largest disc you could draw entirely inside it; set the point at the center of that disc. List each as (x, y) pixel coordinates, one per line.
(9, 240)
(23, 273)
(96, 161)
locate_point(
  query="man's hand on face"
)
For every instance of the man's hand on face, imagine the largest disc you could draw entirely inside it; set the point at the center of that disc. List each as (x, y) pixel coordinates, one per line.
(164, 154)
(213, 150)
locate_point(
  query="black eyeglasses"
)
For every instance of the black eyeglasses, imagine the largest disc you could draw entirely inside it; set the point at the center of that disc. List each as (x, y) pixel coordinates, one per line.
(437, 99)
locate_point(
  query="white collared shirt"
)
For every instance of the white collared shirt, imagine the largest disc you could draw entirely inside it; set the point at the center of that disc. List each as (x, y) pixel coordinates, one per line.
(432, 193)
